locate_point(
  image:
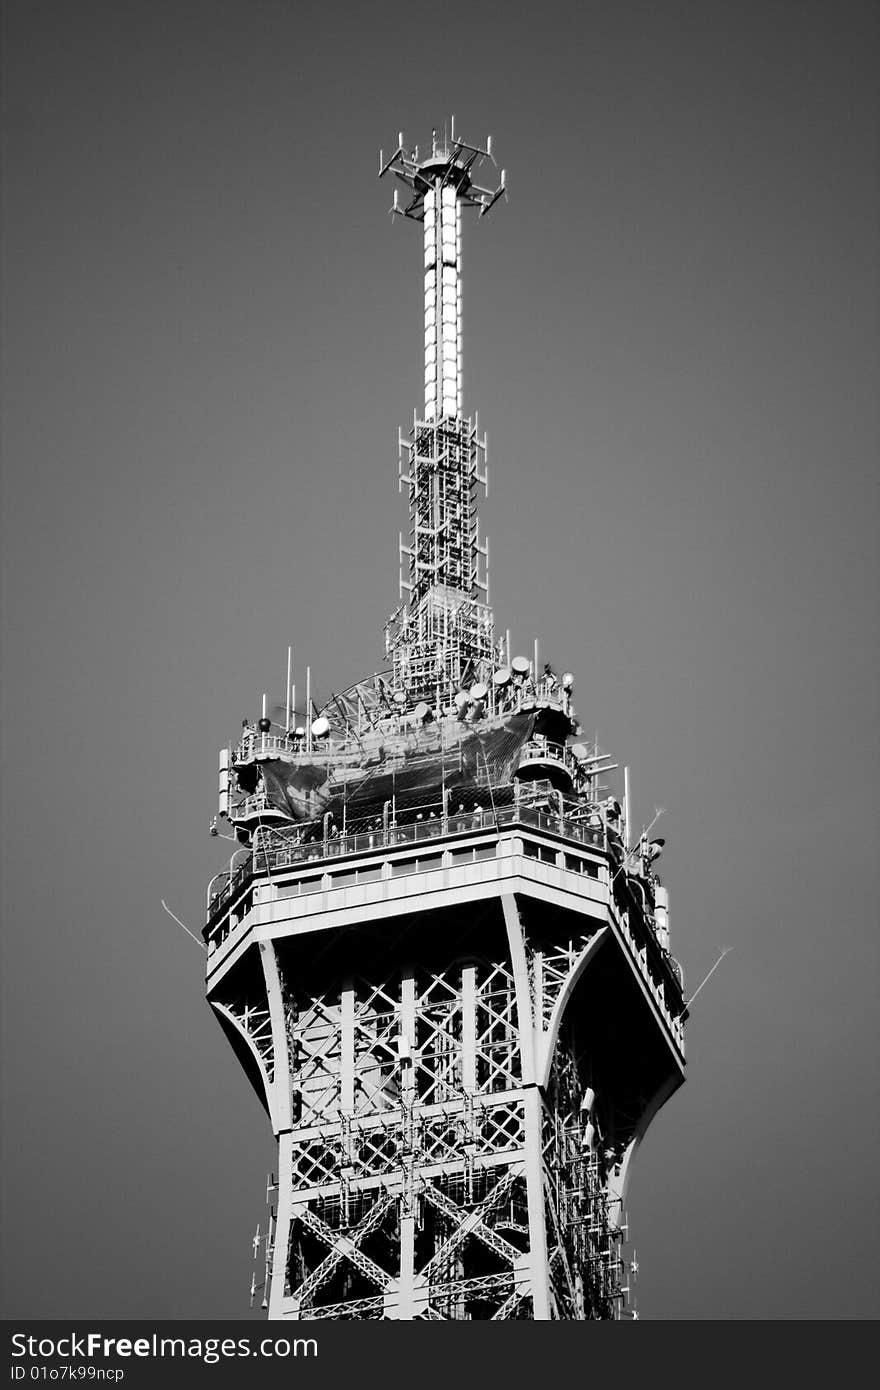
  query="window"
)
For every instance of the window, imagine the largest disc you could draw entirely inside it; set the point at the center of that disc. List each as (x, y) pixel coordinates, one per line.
(351, 876)
(412, 866)
(581, 866)
(473, 853)
(533, 851)
(301, 885)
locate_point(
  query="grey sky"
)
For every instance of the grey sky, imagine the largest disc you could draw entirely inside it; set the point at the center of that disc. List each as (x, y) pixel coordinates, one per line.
(211, 334)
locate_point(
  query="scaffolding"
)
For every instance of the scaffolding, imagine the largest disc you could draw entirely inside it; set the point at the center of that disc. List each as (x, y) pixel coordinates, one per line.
(441, 465)
(444, 645)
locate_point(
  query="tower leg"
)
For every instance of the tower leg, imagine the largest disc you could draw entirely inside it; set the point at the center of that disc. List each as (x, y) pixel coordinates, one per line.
(538, 1265)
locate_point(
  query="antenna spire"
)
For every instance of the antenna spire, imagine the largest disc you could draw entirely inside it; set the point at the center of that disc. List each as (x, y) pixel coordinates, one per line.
(444, 637)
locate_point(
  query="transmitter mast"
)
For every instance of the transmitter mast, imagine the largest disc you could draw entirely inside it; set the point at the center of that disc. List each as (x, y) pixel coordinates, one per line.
(441, 949)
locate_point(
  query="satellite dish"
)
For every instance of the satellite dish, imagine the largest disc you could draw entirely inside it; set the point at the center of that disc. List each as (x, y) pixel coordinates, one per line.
(299, 731)
(399, 697)
(579, 751)
(320, 727)
(501, 676)
(520, 666)
(567, 681)
(479, 691)
(422, 712)
(462, 700)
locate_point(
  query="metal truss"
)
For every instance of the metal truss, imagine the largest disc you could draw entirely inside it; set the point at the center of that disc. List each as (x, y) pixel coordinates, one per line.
(254, 1023)
(408, 1181)
(552, 964)
(443, 639)
(441, 466)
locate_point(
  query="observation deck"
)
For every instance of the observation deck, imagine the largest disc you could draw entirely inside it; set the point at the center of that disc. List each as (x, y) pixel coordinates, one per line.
(294, 881)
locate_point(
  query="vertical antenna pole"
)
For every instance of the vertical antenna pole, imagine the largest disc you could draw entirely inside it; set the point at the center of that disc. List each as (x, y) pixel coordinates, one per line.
(446, 450)
(287, 689)
(308, 709)
(626, 808)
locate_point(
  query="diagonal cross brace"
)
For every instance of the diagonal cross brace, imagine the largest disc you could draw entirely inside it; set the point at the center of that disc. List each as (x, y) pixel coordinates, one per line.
(509, 1304)
(472, 1224)
(342, 1247)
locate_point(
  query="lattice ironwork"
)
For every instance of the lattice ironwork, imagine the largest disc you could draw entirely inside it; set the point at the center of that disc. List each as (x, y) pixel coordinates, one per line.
(376, 1053)
(497, 1025)
(316, 1057)
(584, 1235)
(438, 1039)
(552, 963)
(316, 1162)
(255, 1021)
(379, 1070)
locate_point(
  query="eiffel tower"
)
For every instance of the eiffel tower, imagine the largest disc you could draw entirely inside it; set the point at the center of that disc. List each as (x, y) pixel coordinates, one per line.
(440, 950)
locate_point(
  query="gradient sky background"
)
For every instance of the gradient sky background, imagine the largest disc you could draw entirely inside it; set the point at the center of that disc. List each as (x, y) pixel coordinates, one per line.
(212, 331)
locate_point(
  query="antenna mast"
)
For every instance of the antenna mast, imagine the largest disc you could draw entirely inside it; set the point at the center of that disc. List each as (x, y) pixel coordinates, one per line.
(442, 637)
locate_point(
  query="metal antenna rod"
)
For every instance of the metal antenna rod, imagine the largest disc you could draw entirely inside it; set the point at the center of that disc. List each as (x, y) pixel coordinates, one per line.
(725, 951)
(182, 924)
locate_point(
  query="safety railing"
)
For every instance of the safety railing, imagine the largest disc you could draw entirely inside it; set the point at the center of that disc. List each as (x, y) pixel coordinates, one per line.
(542, 750)
(256, 805)
(258, 744)
(315, 841)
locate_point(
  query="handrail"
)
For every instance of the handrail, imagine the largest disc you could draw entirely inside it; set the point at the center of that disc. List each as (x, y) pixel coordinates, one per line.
(281, 847)
(540, 749)
(266, 859)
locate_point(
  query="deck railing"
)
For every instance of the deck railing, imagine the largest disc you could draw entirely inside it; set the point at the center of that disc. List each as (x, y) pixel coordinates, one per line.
(277, 847)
